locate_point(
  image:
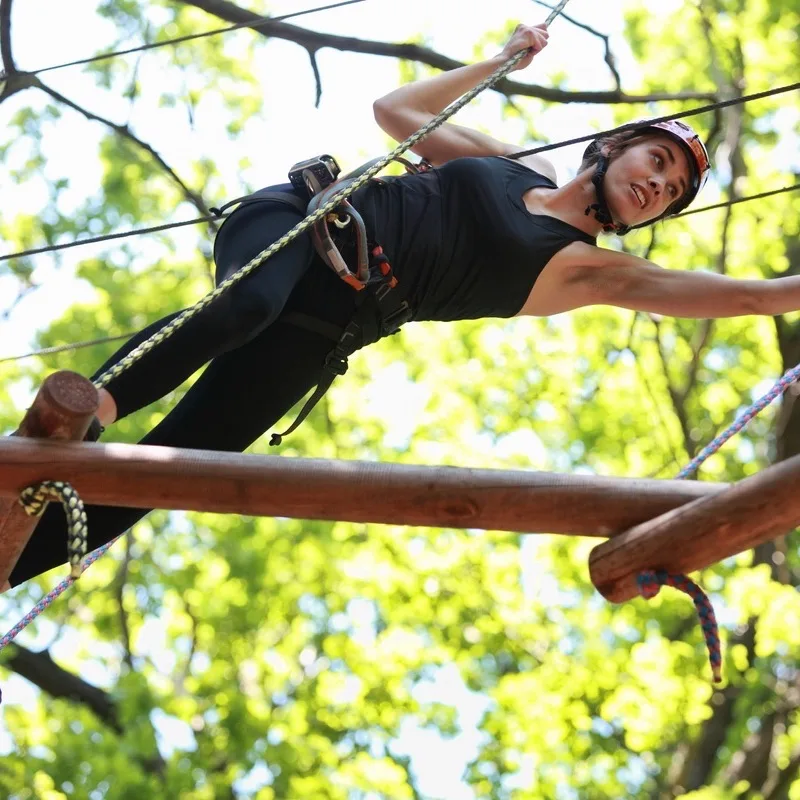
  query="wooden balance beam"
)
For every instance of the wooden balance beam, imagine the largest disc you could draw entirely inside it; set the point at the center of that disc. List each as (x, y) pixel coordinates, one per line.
(61, 411)
(144, 476)
(704, 532)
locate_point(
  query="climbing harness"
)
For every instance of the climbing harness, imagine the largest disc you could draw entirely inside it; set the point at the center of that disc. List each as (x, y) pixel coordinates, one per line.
(301, 227)
(329, 205)
(379, 311)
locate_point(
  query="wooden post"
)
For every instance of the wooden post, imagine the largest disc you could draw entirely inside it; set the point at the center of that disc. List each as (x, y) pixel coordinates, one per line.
(144, 476)
(62, 410)
(701, 533)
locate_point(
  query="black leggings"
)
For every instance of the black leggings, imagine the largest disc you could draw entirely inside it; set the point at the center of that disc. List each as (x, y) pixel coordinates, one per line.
(261, 365)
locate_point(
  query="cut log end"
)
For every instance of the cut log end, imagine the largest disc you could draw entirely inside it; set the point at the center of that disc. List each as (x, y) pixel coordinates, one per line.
(63, 408)
(70, 393)
(620, 590)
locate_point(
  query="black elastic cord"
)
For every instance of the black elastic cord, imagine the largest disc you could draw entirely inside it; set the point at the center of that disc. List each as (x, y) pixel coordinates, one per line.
(167, 226)
(61, 348)
(108, 237)
(740, 200)
(630, 126)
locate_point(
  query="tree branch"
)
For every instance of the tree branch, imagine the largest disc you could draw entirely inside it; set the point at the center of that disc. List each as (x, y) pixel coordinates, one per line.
(780, 788)
(608, 57)
(312, 57)
(40, 669)
(676, 395)
(312, 40)
(120, 581)
(701, 759)
(9, 67)
(125, 132)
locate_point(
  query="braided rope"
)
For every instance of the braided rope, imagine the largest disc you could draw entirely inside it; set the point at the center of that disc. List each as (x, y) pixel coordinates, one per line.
(47, 601)
(650, 583)
(34, 500)
(790, 376)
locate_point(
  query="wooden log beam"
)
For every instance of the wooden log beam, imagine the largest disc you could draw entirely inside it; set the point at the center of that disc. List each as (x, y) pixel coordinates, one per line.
(62, 411)
(159, 477)
(701, 533)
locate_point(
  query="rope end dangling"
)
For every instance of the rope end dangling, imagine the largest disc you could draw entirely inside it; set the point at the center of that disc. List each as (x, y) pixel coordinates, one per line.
(650, 583)
(275, 440)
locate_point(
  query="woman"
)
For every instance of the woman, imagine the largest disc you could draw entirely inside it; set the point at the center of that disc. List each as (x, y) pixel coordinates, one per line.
(480, 235)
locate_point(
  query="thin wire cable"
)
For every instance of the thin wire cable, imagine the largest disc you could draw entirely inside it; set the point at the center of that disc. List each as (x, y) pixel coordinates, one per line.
(110, 237)
(258, 22)
(167, 226)
(47, 351)
(629, 126)
(727, 203)
(520, 154)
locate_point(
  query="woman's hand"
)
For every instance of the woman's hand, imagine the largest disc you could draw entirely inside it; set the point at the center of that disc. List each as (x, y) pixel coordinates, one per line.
(526, 36)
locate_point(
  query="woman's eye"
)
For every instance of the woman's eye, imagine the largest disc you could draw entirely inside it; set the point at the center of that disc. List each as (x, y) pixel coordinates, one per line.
(672, 191)
(658, 161)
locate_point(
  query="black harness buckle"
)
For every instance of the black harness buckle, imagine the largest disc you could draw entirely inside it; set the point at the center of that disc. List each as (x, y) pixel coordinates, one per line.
(394, 320)
(336, 362)
(314, 174)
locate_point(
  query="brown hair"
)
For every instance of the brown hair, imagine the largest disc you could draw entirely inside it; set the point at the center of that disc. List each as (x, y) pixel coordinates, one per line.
(615, 142)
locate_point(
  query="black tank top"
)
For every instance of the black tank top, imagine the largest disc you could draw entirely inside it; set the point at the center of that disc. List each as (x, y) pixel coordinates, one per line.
(460, 238)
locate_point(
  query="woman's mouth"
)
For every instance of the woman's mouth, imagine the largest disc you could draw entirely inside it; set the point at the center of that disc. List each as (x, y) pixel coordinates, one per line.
(639, 196)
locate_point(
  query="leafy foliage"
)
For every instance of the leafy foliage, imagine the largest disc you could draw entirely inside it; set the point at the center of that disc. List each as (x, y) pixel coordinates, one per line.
(272, 658)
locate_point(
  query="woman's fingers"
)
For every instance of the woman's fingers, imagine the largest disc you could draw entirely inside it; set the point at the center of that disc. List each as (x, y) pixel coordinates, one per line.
(527, 37)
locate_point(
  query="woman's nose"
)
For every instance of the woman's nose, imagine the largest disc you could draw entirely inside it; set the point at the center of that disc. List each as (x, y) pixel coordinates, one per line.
(655, 185)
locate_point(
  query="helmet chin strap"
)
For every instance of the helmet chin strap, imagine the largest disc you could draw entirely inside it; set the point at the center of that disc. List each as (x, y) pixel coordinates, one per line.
(601, 210)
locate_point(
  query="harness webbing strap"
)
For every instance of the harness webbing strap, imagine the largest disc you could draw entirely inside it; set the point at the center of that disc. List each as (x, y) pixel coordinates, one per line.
(380, 313)
(300, 320)
(287, 198)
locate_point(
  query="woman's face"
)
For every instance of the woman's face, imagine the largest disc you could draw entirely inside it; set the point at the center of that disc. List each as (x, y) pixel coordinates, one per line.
(644, 180)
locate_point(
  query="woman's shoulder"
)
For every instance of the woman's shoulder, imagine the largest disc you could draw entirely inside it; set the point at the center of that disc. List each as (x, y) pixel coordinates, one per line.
(536, 163)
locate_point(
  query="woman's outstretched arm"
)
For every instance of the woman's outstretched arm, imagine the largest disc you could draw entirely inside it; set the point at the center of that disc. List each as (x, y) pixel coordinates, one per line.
(405, 110)
(626, 281)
